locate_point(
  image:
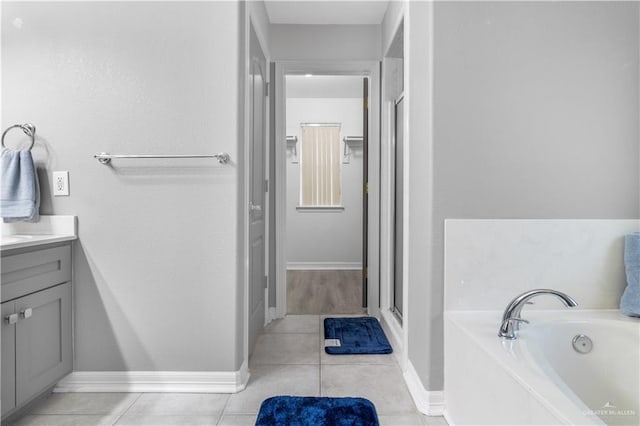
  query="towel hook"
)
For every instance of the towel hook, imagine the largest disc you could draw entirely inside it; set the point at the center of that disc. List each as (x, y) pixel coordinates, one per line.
(28, 129)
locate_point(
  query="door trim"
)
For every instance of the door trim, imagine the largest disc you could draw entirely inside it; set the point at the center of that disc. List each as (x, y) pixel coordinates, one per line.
(249, 20)
(369, 69)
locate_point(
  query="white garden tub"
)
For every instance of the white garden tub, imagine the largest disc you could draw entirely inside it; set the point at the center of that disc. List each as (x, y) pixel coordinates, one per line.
(540, 378)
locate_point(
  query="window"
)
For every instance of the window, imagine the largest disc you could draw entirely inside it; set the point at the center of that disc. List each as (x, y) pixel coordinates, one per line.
(320, 166)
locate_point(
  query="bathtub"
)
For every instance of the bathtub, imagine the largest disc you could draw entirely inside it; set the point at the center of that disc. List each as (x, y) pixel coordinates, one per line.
(539, 378)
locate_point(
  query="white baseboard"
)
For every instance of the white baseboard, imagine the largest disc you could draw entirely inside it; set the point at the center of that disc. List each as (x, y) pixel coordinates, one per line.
(311, 266)
(271, 315)
(430, 403)
(155, 381)
(393, 330)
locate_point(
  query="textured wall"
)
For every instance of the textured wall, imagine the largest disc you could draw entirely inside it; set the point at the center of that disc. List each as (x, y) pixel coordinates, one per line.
(156, 273)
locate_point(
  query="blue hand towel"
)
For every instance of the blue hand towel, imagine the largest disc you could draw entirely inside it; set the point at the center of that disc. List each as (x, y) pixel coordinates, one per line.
(630, 301)
(19, 188)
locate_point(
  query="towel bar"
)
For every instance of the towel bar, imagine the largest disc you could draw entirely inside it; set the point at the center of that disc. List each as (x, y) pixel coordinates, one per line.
(105, 158)
(28, 129)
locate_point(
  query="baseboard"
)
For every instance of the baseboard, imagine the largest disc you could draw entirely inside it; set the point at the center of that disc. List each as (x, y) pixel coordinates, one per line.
(393, 330)
(271, 315)
(155, 381)
(314, 266)
(430, 403)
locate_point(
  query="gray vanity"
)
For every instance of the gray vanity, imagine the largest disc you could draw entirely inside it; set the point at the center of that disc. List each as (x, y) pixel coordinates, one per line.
(36, 330)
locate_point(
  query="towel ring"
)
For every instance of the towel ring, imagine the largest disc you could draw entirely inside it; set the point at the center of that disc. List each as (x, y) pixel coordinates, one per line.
(28, 129)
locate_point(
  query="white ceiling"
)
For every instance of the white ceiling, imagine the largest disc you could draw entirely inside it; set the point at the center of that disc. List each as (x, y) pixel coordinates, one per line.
(326, 12)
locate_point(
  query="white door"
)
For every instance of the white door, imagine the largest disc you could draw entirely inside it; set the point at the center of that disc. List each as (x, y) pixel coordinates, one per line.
(257, 277)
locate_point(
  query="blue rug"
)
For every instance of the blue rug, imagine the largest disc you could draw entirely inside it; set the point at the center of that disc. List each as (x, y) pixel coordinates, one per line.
(316, 411)
(359, 335)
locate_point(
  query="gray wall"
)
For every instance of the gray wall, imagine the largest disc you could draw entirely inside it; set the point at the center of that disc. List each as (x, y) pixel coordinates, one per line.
(157, 286)
(329, 237)
(325, 42)
(536, 115)
(536, 112)
(424, 298)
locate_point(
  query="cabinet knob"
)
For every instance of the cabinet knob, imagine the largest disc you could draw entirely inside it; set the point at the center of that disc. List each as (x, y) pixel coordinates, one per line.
(11, 319)
(26, 313)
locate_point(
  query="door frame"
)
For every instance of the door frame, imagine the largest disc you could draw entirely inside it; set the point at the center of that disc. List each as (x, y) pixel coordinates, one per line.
(369, 69)
(250, 20)
(251, 174)
(398, 331)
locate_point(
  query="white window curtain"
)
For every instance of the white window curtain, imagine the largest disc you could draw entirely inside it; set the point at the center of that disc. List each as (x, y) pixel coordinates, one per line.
(320, 164)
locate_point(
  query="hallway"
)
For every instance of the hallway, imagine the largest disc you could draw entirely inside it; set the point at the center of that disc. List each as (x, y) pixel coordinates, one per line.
(288, 360)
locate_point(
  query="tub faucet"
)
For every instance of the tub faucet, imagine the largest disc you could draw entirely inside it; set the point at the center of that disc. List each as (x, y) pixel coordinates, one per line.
(511, 318)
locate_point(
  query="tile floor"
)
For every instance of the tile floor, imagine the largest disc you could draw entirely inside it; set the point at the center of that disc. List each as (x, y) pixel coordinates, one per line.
(288, 359)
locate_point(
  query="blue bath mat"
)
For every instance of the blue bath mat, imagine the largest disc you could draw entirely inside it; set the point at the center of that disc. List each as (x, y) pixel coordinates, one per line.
(359, 335)
(316, 411)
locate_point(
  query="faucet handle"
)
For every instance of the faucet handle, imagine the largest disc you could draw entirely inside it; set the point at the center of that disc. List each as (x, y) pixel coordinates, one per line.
(518, 320)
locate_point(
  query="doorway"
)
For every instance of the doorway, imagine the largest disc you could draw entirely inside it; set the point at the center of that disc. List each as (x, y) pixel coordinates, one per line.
(320, 244)
(325, 183)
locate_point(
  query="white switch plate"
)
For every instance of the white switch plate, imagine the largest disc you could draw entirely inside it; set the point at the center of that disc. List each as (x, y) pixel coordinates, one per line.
(61, 184)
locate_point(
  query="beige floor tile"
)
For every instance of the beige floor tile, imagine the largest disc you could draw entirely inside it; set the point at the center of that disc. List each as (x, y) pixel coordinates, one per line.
(238, 420)
(295, 324)
(434, 421)
(167, 420)
(381, 384)
(286, 348)
(323, 316)
(186, 404)
(66, 420)
(272, 380)
(403, 420)
(325, 358)
(86, 403)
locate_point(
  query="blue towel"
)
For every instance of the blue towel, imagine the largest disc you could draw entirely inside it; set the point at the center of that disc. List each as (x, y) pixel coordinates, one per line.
(630, 301)
(19, 188)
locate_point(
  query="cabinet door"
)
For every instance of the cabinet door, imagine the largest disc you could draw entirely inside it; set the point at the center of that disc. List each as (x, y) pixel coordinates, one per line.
(43, 340)
(8, 395)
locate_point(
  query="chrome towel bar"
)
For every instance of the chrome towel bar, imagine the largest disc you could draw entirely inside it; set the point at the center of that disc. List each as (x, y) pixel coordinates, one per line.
(105, 158)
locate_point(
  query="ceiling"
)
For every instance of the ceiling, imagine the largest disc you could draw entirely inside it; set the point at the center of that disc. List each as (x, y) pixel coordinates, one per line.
(326, 12)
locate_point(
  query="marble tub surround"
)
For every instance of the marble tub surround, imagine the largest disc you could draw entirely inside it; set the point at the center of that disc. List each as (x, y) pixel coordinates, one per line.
(489, 262)
(50, 229)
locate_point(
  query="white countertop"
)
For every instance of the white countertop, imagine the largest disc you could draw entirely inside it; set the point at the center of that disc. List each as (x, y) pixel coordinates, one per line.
(50, 229)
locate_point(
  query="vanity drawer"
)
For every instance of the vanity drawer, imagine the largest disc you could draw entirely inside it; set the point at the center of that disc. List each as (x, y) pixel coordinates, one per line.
(35, 270)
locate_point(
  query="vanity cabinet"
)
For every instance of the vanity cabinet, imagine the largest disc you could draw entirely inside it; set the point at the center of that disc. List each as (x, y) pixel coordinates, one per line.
(36, 327)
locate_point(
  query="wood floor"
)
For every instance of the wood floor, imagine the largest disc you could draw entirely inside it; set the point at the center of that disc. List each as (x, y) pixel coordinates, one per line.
(324, 292)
